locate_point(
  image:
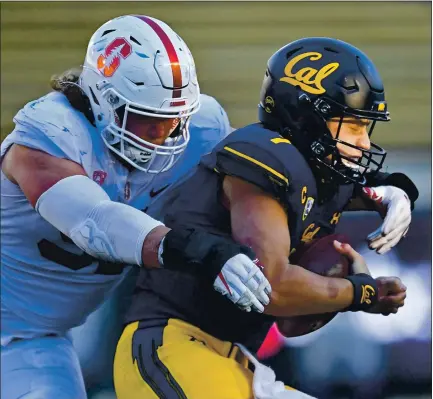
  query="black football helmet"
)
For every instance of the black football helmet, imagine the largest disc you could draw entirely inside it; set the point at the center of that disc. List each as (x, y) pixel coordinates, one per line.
(312, 80)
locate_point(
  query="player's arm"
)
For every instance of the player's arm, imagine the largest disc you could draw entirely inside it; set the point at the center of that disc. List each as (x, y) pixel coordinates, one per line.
(63, 195)
(60, 190)
(260, 221)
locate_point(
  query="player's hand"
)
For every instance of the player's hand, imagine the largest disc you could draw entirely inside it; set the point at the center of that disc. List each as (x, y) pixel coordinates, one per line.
(243, 282)
(394, 204)
(392, 293)
(365, 288)
(357, 261)
(225, 264)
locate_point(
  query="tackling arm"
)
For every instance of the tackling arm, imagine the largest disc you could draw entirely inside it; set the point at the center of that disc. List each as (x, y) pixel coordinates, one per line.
(62, 193)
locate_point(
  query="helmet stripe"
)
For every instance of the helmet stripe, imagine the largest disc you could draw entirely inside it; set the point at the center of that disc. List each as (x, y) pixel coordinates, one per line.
(172, 55)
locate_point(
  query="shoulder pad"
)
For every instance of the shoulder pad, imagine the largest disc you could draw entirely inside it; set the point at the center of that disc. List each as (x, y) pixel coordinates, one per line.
(262, 157)
(207, 128)
(210, 123)
(52, 125)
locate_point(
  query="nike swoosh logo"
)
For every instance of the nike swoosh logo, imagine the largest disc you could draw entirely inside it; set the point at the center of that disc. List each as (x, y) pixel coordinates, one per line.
(155, 193)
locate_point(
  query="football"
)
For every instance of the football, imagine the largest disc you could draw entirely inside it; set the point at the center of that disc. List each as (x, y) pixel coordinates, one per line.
(320, 257)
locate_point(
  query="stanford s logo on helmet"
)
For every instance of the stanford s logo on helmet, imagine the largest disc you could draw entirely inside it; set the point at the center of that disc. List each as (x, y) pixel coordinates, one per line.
(109, 61)
(312, 80)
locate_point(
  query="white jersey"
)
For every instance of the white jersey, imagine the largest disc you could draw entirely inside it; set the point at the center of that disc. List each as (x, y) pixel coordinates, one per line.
(48, 284)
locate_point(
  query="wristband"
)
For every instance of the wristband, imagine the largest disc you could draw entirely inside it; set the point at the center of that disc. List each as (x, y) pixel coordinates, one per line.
(365, 292)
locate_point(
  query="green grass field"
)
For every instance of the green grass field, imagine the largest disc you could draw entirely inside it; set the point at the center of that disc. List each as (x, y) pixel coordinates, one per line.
(231, 43)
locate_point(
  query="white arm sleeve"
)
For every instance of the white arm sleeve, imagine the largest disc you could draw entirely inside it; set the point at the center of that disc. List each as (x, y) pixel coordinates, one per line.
(81, 209)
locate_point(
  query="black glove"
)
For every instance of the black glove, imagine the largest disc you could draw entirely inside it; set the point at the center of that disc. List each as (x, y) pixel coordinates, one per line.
(365, 293)
(197, 252)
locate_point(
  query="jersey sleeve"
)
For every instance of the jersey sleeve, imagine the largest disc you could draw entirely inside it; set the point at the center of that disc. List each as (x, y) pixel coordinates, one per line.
(254, 164)
(49, 126)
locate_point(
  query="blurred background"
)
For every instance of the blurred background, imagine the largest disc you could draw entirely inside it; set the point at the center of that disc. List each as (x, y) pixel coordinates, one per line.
(356, 355)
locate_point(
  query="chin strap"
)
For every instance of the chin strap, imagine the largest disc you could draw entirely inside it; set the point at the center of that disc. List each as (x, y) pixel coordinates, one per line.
(136, 155)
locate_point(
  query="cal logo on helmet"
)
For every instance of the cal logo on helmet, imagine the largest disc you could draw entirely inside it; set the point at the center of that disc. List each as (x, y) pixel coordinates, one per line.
(308, 78)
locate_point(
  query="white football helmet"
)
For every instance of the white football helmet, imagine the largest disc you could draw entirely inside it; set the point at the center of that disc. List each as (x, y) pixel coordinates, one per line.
(138, 64)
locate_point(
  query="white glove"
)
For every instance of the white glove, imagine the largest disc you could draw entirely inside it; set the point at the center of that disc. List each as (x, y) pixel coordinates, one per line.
(394, 203)
(242, 281)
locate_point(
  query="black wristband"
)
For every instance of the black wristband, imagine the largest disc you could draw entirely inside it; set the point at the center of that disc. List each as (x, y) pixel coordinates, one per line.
(198, 252)
(397, 179)
(365, 292)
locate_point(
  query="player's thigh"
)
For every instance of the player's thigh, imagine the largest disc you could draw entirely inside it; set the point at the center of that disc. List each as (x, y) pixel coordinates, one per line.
(41, 368)
(131, 378)
(164, 361)
(203, 373)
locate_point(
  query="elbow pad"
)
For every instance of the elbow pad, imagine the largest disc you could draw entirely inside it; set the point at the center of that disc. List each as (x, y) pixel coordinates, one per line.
(108, 230)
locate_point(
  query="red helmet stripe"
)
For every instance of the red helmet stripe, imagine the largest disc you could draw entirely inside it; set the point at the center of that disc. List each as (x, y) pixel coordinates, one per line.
(172, 55)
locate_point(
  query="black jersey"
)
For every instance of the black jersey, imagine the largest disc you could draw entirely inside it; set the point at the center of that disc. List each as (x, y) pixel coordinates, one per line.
(261, 157)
